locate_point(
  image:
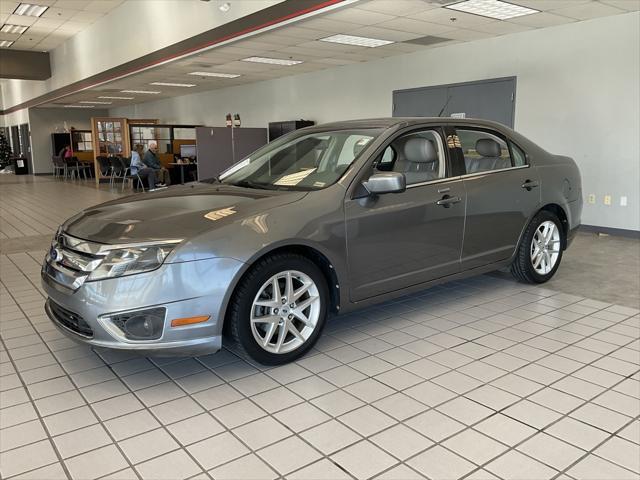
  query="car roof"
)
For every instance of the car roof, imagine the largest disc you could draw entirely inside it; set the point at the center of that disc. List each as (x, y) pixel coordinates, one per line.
(388, 122)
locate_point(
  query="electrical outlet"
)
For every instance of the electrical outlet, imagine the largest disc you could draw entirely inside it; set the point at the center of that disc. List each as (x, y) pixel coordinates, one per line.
(591, 198)
(623, 201)
(607, 199)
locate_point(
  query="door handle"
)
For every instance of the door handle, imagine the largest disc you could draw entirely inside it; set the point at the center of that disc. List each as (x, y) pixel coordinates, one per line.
(447, 201)
(529, 184)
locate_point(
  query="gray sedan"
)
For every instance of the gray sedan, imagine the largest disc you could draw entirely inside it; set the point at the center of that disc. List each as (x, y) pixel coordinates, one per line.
(323, 220)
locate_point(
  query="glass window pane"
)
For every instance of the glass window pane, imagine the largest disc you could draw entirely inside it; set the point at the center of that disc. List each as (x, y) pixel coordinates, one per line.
(483, 151)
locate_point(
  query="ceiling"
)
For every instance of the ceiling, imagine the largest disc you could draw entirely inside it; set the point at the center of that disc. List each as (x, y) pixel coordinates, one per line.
(62, 20)
(404, 22)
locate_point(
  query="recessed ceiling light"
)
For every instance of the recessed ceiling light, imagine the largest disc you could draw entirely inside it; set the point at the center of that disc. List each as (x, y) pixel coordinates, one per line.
(79, 106)
(118, 98)
(492, 9)
(150, 92)
(30, 10)
(215, 74)
(225, 7)
(168, 84)
(9, 28)
(272, 61)
(95, 102)
(5, 43)
(358, 41)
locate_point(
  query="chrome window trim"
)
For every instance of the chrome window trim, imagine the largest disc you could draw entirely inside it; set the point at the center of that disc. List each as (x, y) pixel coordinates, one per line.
(433, 182)
(488, 172)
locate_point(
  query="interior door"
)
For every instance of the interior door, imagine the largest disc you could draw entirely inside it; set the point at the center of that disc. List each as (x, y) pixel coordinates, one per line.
(502, 194)
(397, 240)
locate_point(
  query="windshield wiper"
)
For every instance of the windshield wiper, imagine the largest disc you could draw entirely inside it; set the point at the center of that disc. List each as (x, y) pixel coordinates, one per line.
(250, 184)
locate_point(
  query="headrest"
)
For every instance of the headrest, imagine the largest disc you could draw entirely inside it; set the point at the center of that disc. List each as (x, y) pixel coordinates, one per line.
(420, 150)
(488, 147)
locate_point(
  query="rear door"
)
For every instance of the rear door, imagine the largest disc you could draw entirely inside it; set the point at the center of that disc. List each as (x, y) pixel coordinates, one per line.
(502, 194)
(398, 240)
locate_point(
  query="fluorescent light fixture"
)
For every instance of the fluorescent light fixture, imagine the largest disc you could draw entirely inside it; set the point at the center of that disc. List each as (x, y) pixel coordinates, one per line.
(5, 43)
(117, 98)
(79, 106)
(358, 41)
(168, 84)
(215, 74)
(272, 61)
(9, 28)
(30, 10)
(150, 92)
(492, 9)
(95, 102)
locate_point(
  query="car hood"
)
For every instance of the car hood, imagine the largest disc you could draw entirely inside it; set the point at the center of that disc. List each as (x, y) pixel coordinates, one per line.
(179, 212)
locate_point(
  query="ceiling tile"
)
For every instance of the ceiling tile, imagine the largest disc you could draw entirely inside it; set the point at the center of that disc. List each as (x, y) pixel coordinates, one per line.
(71, 27)
(540, 20)
(59, 13)
(298, 31)
(544, 5)
(325, 25)
(415, 26)
(384, 33)
(8, 6)
(465, 35)
(21, 20)
(443, 16)
(9, 36)
(70, 4)
(48, 22)
(101, 6)
(277, 38)
(87, 17)
(501, 28)
(630, 5)
(4, 17)
(359, 16)
(396, 7)
(588, 10)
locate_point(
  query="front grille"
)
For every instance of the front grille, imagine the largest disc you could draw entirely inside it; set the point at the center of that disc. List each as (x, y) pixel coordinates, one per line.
(69, 320)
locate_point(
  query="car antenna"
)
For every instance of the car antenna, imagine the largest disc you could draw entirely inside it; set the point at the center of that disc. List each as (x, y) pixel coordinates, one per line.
(444, 106)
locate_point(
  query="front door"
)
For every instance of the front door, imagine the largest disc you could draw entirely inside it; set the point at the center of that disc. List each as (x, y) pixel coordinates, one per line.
(502, 194)
(398, 240)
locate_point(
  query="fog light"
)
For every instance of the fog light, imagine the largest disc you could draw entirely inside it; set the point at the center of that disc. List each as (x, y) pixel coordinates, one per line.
(140, 325)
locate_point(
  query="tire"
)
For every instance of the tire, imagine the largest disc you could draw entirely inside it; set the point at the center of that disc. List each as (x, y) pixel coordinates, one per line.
(524, 267)
(255, 299)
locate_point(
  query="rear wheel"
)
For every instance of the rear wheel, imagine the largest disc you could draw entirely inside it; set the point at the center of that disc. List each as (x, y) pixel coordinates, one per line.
(540, 250)
(279, 309)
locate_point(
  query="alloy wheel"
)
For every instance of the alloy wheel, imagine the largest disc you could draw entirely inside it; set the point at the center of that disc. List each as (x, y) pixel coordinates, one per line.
(285, 312)
(545, 247)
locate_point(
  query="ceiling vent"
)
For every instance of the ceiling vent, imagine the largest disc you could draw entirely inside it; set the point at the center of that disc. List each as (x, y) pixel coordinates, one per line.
(428, 40)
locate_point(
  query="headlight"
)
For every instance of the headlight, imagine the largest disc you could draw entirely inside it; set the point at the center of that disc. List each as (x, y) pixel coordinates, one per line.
(120, 262)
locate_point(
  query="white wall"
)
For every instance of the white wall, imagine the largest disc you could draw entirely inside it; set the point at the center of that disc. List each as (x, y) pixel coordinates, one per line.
(131, 30)
(577, 95)
(45, 121)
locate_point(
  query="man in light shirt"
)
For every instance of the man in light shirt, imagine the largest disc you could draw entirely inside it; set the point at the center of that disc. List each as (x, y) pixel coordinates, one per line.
(137, 167)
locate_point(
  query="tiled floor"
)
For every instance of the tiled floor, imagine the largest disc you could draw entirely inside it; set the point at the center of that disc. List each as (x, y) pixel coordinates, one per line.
(480, 379)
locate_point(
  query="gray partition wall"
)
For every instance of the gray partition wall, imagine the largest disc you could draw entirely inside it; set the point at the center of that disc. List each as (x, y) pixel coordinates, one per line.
(492, 99)
(221, 147)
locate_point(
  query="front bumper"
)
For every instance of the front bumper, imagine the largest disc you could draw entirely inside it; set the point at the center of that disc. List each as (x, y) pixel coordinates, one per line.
(187, 289)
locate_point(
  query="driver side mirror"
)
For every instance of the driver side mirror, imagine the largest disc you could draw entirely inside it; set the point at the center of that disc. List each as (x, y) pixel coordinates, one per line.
(386, 182)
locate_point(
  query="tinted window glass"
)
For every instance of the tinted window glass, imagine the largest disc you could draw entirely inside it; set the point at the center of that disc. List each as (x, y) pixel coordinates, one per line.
(419, 155)
(519, 157)
(483, 151)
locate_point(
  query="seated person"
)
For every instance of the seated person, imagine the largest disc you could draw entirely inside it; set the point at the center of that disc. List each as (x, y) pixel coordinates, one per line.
(151, 160)
(139, 168)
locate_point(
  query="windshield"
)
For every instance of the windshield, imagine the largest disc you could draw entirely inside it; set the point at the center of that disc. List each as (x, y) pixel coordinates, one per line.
(305, 162)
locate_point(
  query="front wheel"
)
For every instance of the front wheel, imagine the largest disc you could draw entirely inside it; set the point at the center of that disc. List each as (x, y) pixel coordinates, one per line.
(279, 309)
(540, 250)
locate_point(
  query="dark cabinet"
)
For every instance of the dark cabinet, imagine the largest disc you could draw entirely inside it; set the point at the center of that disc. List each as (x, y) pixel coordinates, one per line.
(277, 129)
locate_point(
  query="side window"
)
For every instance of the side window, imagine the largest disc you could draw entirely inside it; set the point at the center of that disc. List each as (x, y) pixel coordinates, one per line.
(483, 151)
(419, 155)
(519, 157)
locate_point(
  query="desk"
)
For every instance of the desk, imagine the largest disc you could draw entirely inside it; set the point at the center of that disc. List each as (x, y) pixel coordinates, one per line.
(182, 165)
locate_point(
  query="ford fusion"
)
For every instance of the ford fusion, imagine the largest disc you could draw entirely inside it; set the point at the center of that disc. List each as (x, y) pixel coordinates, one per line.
(323, 220)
